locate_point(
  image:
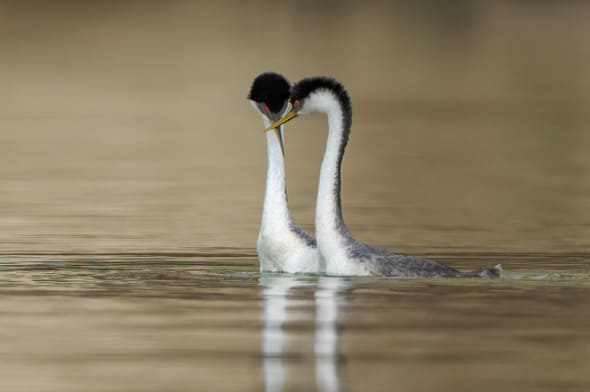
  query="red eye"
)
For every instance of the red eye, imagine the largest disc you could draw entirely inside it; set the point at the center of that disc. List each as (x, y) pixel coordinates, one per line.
(266, 109)
(296, 103)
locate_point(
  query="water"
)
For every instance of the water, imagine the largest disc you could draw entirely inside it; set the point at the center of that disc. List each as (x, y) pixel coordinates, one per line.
(163, 322)
(132, 173)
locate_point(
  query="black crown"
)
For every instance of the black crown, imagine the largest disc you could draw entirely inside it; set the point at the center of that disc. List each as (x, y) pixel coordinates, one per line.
(272, 89)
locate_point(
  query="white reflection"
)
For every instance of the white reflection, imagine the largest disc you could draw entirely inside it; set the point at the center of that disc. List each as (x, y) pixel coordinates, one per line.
(328, 303)
(276, 303)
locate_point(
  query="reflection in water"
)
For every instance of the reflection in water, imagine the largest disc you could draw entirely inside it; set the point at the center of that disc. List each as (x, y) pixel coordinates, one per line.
(276, 315)
(328, 303)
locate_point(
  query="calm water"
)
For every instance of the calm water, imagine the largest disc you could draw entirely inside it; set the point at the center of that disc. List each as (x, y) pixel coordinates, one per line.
(204, 322)
(132, 173)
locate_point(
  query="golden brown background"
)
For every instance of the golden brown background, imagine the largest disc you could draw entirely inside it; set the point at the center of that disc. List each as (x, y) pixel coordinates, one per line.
(131, 183)
(124, 124)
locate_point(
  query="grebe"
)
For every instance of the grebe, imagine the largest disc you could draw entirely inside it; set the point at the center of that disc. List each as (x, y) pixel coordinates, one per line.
(340, 252)
(282, 245)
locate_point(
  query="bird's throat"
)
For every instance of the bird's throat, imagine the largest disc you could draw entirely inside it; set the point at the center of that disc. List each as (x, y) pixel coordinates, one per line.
(275, 211)
(330, 228)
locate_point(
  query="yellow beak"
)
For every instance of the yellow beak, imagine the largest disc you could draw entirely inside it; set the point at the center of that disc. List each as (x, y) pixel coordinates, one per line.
(280, 137)
(287, 117)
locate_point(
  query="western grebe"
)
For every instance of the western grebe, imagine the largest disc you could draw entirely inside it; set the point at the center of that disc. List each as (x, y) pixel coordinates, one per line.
(340, 253)
(282, 245)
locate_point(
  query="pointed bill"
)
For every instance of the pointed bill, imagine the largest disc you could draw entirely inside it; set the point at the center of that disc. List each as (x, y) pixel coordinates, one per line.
(280, 137)
(287, 117)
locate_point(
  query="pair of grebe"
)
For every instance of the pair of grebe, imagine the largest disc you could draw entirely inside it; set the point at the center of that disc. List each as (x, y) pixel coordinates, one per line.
(285, 247)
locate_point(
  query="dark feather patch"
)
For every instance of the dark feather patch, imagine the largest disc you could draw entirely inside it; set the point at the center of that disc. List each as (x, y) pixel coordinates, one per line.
(272, 89)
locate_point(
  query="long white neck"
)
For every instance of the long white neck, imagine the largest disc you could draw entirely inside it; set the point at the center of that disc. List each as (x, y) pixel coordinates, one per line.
(275, 213)
(330, 229)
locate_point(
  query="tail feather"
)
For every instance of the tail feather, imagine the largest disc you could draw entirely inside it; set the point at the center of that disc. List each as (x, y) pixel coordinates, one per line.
(486, 272)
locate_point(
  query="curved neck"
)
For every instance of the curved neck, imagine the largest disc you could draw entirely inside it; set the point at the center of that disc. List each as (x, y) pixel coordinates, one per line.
(275, 211)
(328, 209)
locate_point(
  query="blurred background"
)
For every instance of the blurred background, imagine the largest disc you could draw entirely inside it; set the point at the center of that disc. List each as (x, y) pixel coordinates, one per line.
(124, 125)
(132, 173)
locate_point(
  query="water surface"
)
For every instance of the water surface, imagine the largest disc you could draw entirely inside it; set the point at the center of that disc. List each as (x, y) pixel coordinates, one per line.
(165, 322)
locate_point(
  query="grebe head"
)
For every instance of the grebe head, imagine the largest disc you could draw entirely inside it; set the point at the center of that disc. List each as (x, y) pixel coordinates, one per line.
(269, 95)
(318, 94)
